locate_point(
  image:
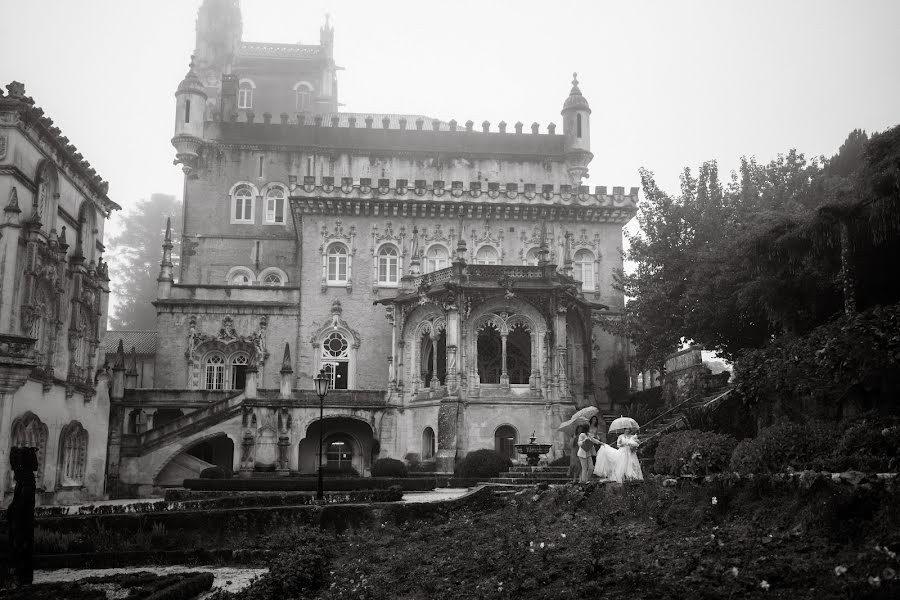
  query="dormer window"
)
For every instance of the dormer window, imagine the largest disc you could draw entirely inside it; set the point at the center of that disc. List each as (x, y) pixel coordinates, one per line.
(245, 94)
(304, 93)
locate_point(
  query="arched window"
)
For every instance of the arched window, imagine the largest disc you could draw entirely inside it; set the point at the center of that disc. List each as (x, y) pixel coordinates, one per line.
(584, 268)
(490, 354)
(28, 431)
(505, 441)
(273, 279)
(214, 370)
(239, 364)
(338, 261)
(240, 276)
(578, 125)
(275, 205)
(518, 355)
(336, 360)
(242, 204)
(388, 265)
(304, 97)
(245, 94)
(487, 255)
(73, 443)
(533, 257)
(339, 453)
(434, 356)
(428, 444)
(437, 258)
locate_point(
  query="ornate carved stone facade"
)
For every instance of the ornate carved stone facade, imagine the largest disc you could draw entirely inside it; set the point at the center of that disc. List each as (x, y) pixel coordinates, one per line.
(482, 248)
(54, 286)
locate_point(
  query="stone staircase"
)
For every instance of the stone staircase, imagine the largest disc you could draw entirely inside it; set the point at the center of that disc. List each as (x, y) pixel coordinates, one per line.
(674, 418)
(525, 475)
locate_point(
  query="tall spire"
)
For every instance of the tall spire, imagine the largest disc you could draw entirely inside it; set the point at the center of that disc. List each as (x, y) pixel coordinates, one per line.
(165, 279)
(415, 262)
(119, 364)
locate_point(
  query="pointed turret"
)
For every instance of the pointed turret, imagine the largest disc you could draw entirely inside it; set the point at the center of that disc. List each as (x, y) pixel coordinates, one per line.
(190, 109)
(287, 372)
(567, 255)
(164, 281)
(576, 115)
(131, 375)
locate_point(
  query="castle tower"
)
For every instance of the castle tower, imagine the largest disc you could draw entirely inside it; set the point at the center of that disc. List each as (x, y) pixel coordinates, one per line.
(190, 106)
(327, 100)
(219, 30)
(576, 115)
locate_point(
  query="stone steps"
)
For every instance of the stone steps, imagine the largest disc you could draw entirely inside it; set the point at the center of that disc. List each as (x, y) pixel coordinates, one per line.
(526, 476)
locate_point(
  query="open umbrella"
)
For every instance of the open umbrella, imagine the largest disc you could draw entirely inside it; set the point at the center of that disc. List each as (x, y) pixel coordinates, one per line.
(581, 417)
(621, 424)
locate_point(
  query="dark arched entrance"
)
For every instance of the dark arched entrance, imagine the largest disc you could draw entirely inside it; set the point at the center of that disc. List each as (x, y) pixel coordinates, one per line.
(490, 354)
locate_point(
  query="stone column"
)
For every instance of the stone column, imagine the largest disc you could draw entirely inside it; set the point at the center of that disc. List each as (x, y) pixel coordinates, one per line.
(149, 413)
(562, 378)
(451, 334)
(248, 443)
(504, 375)
(435, 380)
(284, 446)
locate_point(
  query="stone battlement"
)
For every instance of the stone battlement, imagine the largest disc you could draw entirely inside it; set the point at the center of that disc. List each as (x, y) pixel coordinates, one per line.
(402, 189)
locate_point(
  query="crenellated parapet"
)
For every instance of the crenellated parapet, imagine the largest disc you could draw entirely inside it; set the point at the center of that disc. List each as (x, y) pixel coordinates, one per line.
(436, 198)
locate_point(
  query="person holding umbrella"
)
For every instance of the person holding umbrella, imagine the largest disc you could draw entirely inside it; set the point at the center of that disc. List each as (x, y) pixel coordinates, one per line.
(585, 446)
(573, 426)
(626, 466)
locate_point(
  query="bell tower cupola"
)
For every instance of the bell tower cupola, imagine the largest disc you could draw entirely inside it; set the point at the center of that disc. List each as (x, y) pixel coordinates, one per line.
(576, 115)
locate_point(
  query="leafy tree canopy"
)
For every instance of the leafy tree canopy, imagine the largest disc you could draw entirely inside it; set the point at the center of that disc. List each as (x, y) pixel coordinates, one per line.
(736, 265)
(135, 256)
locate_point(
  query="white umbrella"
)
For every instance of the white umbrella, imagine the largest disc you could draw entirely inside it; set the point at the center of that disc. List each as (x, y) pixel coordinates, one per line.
(623, 423)
(581, 417)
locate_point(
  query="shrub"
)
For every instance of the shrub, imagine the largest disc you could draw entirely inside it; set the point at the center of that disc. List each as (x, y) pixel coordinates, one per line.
(870, 444)
(785, 446)
(340, 471)
(308, 484)
(212, 473)
(650, 397)
(698, 452)
(483, 463)
(389, 467)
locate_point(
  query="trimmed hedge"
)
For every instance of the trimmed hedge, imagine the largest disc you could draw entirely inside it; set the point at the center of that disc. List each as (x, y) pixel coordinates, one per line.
(388, 467)
(139, 586)
(483, 463)
(212, 473)
(309, 484)
(693, 452)
(786, 446)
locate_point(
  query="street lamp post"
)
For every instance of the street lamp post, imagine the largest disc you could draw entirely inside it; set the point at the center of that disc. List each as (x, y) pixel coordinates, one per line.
(321, 381)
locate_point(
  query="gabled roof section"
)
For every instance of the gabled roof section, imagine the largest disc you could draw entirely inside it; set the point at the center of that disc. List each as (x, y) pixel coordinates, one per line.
(144, 342)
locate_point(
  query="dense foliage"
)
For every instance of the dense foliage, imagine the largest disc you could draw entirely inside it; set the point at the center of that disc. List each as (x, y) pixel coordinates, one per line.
(785, 446)
(135, 254)
(849, 365)
(693, 452)
(775, 252)
(483, 463)
(389, 467)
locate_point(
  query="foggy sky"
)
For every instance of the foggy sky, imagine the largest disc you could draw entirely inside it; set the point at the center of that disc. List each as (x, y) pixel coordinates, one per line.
(671, 83)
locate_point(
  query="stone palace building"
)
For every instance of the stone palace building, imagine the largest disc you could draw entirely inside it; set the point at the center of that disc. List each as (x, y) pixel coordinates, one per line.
(444, 276)
(54, 289)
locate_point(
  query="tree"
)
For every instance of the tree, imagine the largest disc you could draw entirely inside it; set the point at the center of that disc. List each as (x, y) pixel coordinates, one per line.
(136, 253)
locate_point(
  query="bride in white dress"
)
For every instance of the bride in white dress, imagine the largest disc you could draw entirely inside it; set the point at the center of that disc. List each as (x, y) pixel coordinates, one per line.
(620, 464)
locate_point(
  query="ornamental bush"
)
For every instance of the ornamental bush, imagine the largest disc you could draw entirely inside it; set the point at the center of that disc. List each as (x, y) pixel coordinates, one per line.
(212, 473)
(388, 467)
(483, 463)
(693, 451)
(778, 448)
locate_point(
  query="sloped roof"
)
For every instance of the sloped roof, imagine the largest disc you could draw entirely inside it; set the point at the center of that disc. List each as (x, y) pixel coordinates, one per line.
(144, 342)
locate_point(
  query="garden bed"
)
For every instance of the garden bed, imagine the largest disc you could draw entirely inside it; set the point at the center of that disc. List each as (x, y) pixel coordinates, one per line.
(745, 537)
